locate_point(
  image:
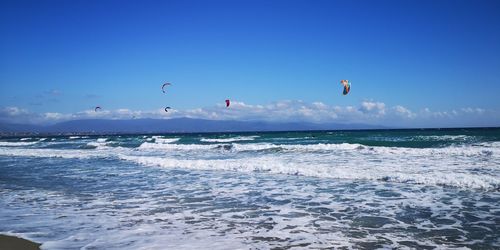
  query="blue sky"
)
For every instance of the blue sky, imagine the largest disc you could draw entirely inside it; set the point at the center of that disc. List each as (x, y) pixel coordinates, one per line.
(411, 63)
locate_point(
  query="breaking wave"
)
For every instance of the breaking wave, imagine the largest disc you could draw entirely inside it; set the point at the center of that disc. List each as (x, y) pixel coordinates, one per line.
(471, 166)
(239, 138)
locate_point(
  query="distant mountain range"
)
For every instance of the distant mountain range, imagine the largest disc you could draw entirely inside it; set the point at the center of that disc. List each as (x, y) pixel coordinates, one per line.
(177, 125)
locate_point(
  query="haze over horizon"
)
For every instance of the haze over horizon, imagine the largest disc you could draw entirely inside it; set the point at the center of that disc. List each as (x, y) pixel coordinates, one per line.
(411, 63)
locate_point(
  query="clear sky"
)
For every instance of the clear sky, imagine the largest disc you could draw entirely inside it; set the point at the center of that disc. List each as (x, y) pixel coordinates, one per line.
(411, 63)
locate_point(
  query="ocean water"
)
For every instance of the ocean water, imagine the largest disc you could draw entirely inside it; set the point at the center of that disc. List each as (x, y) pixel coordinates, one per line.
(405, 189)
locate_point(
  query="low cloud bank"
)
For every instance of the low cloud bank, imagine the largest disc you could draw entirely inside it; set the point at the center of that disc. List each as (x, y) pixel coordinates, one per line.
(369, 112)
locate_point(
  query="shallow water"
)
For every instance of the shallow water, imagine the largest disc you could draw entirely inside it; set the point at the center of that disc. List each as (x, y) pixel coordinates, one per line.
(347, 189)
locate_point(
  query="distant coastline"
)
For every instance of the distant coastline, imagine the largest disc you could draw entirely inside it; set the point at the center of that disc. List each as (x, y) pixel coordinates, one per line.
(176, 125)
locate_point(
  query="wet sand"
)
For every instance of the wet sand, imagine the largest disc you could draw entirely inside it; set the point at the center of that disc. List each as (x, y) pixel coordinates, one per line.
(15, 243)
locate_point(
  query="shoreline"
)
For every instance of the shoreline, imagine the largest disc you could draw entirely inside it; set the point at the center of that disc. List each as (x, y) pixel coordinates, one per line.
(14, 243)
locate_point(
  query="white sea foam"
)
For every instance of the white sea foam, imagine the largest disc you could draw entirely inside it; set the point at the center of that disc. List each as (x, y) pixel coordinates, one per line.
(97, 145)
(442, 174)
(206, 209)
(166, 140)
(236, 147)
(442, 137)
(471, 166)
(479, 150)
(100, 143)
(233, 139)
(16, 144)
(177, 147)
(361, 196)
(78, 137)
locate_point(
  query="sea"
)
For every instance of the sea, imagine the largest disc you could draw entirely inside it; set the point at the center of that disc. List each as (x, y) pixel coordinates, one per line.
(365, 189)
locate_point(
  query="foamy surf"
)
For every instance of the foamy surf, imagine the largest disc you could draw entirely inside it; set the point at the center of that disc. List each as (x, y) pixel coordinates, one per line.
(448, 176)
(353, 190)
(232, 139)
(166, 140)
(17, 144)
(474, 166)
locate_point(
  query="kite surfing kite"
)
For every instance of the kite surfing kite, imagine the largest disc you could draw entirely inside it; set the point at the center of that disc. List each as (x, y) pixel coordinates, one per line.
(228, 103)
(347, 86)
(96, 108)
(167, 108)
(164, 85)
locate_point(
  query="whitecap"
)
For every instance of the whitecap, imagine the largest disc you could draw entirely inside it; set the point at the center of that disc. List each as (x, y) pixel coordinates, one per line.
(233, 139)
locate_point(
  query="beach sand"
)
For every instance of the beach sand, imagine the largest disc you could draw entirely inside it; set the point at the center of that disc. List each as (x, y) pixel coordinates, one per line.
(15, 243)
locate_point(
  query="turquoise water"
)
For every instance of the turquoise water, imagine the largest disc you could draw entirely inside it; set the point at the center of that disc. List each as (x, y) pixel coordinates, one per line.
(344, 189)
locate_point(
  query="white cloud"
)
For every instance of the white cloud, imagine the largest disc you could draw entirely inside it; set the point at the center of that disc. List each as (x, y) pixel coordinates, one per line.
(404, 112)
(319, 105)
(56, 116)
(370, 112)
(14, 114)
(470, 110)
(369, 107)
(13, 111)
